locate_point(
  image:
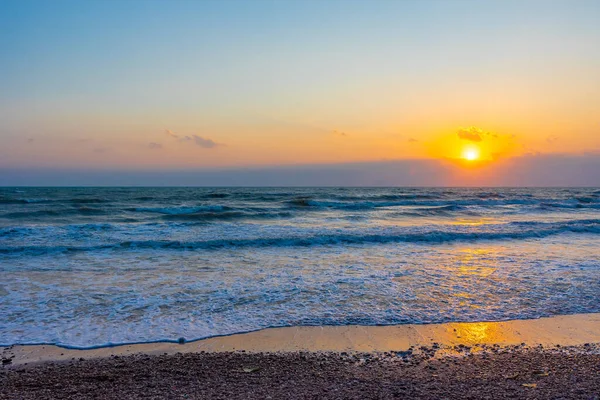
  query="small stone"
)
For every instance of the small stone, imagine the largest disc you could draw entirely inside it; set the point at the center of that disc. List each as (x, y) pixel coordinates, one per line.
(530, 385)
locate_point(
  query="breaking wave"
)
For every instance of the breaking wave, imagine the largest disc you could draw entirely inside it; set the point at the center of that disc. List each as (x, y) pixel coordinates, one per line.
(512, 231)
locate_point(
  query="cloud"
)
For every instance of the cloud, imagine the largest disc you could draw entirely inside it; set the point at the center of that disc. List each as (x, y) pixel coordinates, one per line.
(339, 133)
(153, 145)
(472, 134)
(412, 140)
(171, 133)
(30, 140)
(101, 150)
(205, 142)
(551, 139)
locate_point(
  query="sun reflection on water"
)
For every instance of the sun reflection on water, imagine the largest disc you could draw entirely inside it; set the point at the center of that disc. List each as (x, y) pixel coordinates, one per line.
(476, 262)
(474, 221)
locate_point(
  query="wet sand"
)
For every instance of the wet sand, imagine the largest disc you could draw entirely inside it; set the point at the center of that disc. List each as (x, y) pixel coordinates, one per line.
(568, 330)
(550, 358)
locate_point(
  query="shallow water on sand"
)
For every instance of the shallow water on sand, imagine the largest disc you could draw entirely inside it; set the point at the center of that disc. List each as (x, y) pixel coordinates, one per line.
(94, 266)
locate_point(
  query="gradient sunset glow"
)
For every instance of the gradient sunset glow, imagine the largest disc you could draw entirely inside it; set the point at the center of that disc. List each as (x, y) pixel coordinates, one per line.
(147, 86)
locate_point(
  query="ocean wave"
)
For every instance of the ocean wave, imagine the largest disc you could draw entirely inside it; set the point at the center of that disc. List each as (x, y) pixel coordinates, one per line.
(181, 210)
(301, 202)
(357, 205)
(587, 199)
(227, 215)
(389, 197)
(24, 215)
(432, 211)
(31, 214)
(53, 201)
(90, 211)
(87, 200)
(56, 233)
(520, 231)
(491, 195)
(12, 201)
(216, 195)
(570, 205)
(157, 197)
(311, 203)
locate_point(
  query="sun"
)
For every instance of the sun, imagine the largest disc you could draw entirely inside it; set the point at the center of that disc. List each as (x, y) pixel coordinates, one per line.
(470, 153)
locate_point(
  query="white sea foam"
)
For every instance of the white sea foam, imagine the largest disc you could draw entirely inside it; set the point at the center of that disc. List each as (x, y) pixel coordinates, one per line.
(92, 267)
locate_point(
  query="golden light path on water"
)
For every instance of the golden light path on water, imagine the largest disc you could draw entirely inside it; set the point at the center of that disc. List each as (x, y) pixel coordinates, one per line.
(196, 263)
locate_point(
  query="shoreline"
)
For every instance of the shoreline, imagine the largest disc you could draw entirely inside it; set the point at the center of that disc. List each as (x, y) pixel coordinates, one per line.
(566, 330)
(547, 358)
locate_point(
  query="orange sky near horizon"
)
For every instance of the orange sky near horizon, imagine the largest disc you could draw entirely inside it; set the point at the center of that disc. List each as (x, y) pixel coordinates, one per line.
(276, 85)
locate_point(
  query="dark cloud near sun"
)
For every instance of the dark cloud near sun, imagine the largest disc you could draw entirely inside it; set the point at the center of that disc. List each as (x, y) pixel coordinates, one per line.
(154, 145)
(474, 134)
(471, 134)
(412, 140)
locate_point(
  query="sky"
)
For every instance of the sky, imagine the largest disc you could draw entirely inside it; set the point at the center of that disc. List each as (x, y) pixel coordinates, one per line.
(328, 92)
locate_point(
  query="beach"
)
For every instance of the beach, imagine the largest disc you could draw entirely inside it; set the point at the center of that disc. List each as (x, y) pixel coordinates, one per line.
(555, 357)
(299, 199)
(299, 293)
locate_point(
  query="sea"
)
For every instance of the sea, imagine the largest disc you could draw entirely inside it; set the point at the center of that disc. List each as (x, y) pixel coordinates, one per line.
(92, 267)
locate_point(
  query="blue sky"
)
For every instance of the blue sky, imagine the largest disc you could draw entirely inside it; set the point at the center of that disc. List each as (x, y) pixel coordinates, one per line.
(96, 84)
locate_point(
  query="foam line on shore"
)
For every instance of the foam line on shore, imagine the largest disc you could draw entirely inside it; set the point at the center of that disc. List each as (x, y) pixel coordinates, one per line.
(567, 330)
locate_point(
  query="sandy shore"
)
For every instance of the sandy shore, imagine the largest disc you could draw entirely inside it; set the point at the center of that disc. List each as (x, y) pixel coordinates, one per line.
(568, 330)
(550, 358)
